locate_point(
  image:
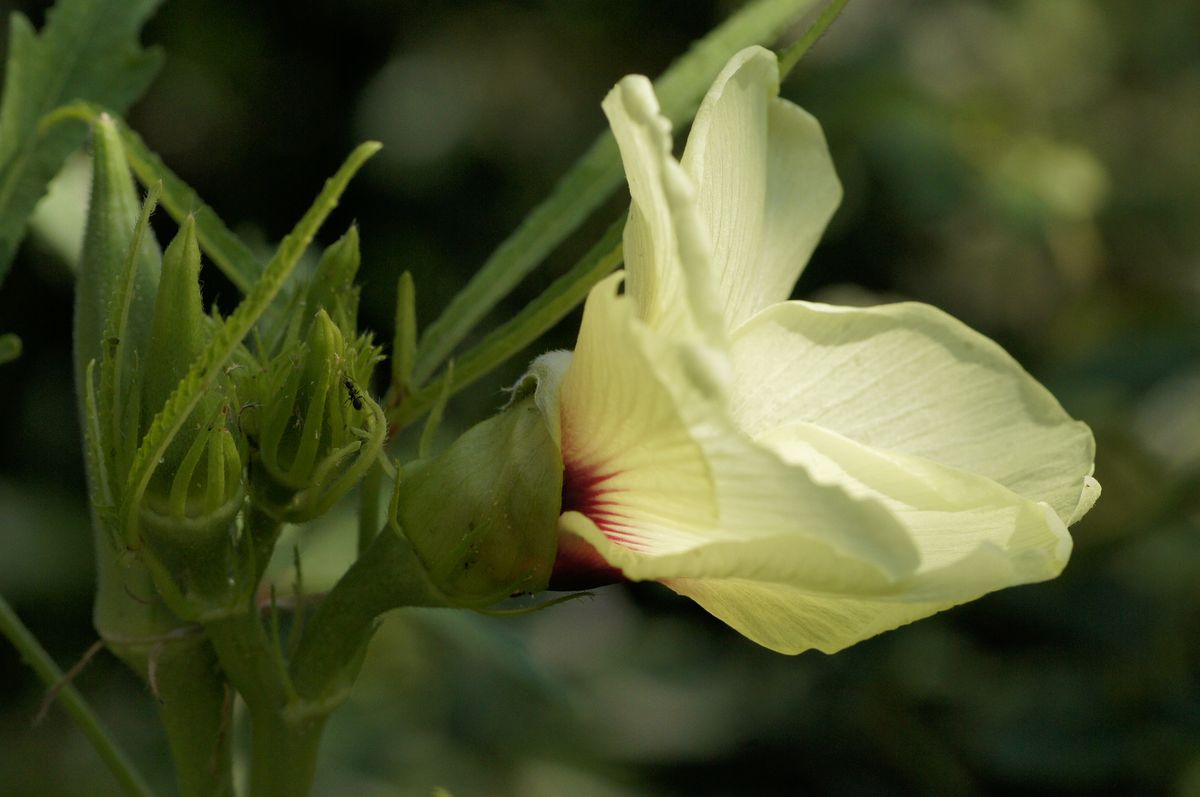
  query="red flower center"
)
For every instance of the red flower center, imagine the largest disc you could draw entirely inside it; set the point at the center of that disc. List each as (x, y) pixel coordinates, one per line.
(577, 564)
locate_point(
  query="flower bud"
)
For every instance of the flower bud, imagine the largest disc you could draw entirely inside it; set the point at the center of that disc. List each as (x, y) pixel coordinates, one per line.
(482, 516)
(332, 288)
(197, 487)
(313, 431)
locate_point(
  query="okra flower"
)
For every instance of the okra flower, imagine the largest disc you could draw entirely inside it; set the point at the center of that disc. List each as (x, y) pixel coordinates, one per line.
(811, 475)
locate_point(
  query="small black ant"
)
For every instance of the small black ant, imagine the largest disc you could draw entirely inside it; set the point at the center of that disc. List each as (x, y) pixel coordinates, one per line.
(356, 399)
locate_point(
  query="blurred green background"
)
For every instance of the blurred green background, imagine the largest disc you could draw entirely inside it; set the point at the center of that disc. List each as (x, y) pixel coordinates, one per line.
(1033, 167)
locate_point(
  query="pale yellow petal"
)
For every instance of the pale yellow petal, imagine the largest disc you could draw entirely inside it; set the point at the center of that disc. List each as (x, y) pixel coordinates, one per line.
(972, 534)
(765, 183)
(669, 487)
(642, 550)
(790, 620)
(1091, 492)
(973, 537)
(910, 379)
(617, 419)
(667, 252)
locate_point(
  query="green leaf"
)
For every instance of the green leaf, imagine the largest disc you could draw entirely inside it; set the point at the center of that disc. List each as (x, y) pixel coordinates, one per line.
(594, 177)
(207, 367)
(10, 348)
(88, 50)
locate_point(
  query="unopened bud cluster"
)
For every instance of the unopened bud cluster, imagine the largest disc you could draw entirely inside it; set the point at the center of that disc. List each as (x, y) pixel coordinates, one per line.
(284, 430)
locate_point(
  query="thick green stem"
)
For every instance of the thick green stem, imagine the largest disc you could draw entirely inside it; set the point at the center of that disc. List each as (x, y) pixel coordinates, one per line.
(387, 576)
(249, 656)
(283, 736)
(288, 710)
(284, 732)
(196, 709)
(264, 533)
(284, 751)
(250, 659)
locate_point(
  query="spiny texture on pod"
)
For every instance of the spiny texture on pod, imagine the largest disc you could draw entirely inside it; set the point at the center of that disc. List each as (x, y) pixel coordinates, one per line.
(112, 215)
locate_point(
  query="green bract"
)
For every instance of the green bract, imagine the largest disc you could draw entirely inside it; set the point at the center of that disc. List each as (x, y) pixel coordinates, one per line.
(482, 515)
(811, 475)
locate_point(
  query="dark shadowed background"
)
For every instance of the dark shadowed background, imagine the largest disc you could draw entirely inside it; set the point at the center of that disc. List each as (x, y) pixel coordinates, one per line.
(1032, 167)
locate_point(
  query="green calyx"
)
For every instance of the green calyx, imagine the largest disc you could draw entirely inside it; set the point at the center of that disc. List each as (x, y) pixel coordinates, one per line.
(312, 427)
(497, 536)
